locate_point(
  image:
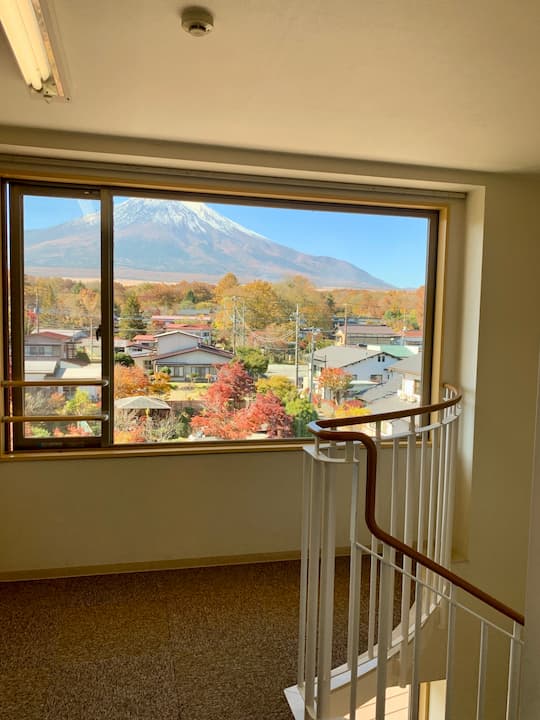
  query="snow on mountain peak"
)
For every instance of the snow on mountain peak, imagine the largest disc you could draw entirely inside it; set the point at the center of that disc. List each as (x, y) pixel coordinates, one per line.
(196, 216)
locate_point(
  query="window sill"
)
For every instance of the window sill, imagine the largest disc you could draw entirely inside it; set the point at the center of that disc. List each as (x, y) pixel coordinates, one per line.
(207, 448)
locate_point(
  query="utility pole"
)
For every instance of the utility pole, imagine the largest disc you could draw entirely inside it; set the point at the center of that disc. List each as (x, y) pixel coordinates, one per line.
(345, 326)
(311, 360)
(37, 312)
(234, 322)
(296, 339)
(243, 323)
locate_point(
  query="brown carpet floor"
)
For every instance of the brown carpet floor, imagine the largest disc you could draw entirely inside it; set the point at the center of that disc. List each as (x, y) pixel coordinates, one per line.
(198, 644)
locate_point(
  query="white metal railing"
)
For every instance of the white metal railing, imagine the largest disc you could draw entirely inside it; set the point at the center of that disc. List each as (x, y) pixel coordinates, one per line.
(415, 554)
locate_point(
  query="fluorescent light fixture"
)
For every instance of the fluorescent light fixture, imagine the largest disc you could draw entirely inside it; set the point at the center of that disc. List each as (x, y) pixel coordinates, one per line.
(25, 28)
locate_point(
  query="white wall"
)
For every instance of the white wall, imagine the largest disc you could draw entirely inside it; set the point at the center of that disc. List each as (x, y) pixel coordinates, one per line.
(110, 512)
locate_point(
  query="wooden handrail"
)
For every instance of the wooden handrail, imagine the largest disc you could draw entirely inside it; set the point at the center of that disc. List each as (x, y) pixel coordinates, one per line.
(315, 425)
(317, 428)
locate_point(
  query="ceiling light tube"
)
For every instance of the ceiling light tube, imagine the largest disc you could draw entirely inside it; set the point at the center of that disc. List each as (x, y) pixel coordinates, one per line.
(26, 31)
(23, 32)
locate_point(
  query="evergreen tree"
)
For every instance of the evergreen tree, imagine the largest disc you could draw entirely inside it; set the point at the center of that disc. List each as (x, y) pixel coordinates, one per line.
(132, 321)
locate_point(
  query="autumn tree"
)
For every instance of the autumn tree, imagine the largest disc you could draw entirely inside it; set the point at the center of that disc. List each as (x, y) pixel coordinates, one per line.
(132, 321)
(255, 362)
(232, 386)
(312, 304)
(336, 381)
(352, 408)
(122, 358)
(274, 339)
(80, 404)
(224, 414)
(303, 412)
(129, 381)
(268, 414)
(89, 300)
(227, 285)
(261, 304)
(160, 384)
(278, 385)
(159, 297)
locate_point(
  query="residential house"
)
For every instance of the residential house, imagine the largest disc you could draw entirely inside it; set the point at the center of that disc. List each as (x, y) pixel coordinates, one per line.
(365, 367)
(433, 104)
(91, 371)
(204, 331)
(412, 338)
(146, 342)
(53, 344)
(410, 370)
(399, 351)
(365, 334)
(39, 370)
(167, 342)
(186, 356)
(199, 362)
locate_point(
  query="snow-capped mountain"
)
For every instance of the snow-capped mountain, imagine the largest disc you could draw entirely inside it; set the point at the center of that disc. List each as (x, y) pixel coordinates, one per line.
(175, 240)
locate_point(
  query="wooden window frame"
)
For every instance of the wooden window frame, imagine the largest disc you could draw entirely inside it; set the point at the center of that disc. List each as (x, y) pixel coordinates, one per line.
(13, 283)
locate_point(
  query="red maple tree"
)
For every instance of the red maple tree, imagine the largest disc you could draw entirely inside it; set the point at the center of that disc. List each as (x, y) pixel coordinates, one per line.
(267, 413)
(225, 415)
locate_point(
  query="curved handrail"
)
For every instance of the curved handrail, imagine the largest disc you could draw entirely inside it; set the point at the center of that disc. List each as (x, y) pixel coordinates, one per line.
(316, 426)
(317, 429)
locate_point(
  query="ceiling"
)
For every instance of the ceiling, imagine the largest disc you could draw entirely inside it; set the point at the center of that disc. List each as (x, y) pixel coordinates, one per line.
(449, 83)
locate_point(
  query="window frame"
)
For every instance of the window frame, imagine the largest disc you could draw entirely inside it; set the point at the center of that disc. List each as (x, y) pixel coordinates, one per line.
(13, 287)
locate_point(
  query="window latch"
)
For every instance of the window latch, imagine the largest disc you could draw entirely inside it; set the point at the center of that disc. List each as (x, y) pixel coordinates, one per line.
(98, 332)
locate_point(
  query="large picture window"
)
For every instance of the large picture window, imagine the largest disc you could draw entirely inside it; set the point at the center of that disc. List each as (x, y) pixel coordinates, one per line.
(141, 318)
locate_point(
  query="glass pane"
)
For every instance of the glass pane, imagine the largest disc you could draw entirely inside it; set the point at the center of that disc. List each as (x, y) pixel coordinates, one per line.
(247, 322)
(62, 310)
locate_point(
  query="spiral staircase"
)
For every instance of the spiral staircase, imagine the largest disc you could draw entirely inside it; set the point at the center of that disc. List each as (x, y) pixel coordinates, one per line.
(454, 651)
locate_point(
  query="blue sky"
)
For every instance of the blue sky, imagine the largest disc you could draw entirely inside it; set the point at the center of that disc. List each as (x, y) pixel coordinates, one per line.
(389, 247)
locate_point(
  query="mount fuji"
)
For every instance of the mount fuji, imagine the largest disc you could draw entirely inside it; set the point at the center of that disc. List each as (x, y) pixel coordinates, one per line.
(172, 240)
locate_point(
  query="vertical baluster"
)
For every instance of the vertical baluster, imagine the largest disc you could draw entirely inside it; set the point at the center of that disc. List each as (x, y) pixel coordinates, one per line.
(440, 493)
(415, 682)
(326, 603)
(482, 665)
(512, 698)
(450, 653)
(407, 538)
(430, 550)
(453, 429)
(355, 588)
(394, 507)
(373, 560)
(440, 503)
(308, 462)
(313, 585)
(385, 599)
(446, 531)
(372, 598)
(422, 501)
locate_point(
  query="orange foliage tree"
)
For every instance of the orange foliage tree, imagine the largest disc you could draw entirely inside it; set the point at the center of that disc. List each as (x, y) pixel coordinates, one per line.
(129, 381)
(336, 380)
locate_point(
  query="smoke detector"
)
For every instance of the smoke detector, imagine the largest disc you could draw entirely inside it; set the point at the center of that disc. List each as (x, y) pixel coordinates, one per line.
(197, 21)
